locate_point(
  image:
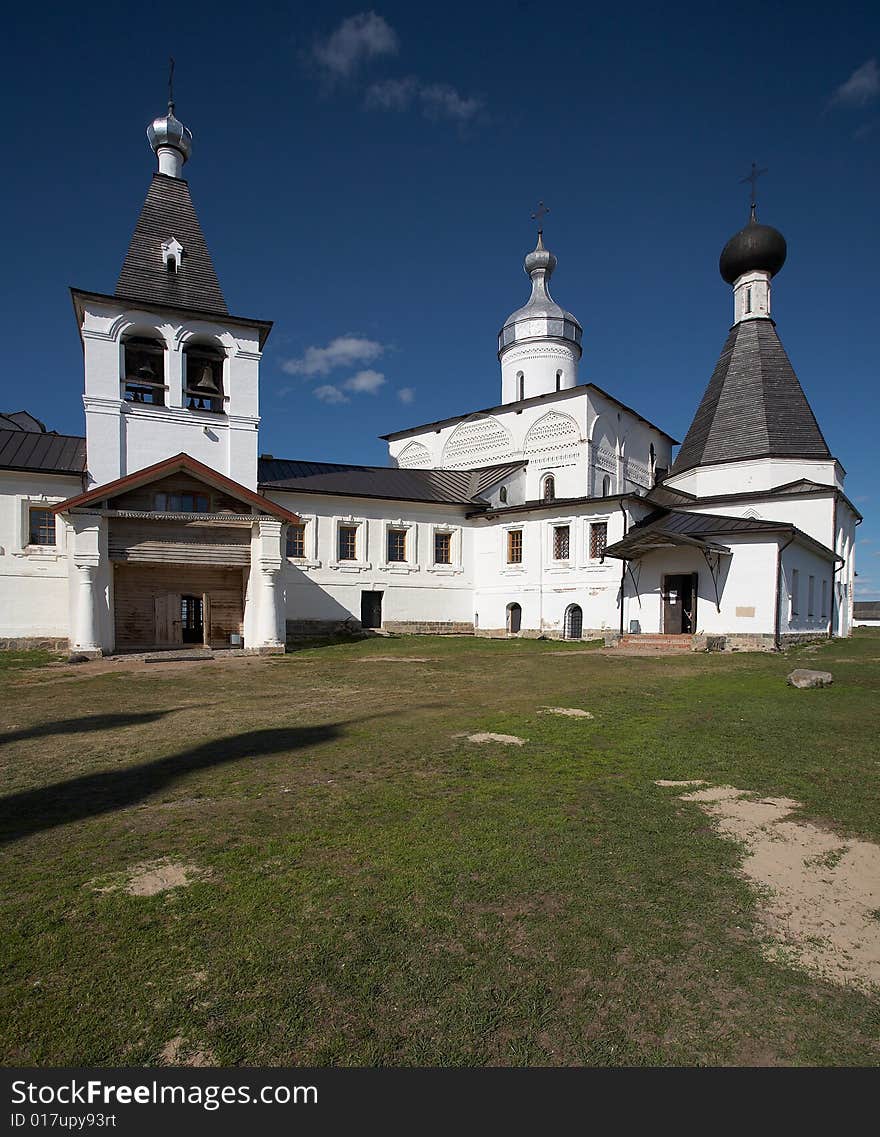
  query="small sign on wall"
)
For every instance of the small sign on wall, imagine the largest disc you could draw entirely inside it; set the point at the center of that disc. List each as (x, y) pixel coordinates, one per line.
(745, 611)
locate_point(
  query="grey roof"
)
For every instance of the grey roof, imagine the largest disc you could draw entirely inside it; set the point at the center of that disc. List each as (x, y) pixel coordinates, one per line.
(39, 450)
(754, 406)
(21, 420)
(866, 610)
(458, 487)
(672, 527)
(169, 212)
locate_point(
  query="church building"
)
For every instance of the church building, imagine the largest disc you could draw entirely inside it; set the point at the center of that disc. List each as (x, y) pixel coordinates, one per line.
(558, 511)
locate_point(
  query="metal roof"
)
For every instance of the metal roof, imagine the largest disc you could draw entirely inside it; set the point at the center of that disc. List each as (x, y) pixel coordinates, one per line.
(866, 610)
(454, 487)
(168, 211)
(754, 406)
(36, 450)
(663, 528)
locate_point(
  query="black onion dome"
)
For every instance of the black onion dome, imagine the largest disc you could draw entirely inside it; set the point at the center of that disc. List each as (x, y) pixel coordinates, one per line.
(757, 247)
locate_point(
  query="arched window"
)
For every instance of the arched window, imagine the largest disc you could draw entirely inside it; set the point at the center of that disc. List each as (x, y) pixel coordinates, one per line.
(574, 622)
(558, 380)
(549, 491)
(143, 365)
(502, 494)
(606, 486)
(203, 377)
(520, 386)
(514, 619)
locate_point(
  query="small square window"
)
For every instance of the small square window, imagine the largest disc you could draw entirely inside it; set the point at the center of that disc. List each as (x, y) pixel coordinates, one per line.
(561, 542)
(347, 543)
(42, 527)
(296, 540)
(598, 539)
(442, 548)
(396, 545)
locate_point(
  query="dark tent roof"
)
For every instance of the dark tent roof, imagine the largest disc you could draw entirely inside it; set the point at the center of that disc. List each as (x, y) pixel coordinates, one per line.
(40, 450)
(459, 487)
(169, 212)
(754, 406)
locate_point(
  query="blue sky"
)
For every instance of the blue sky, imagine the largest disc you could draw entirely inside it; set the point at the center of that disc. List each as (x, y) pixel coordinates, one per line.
(365, 178)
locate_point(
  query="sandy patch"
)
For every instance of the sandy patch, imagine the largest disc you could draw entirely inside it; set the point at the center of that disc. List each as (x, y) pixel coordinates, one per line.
(686, 782)
(571, 712)
(151, 877)
(819, 893)
(396, 659)
(486, 736)
(175, 1052)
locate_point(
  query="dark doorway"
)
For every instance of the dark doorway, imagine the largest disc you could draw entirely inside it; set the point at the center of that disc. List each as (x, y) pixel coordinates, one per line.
(192, 619)
(574, 622)
(514, 618)
(680, 604)
(371, 609)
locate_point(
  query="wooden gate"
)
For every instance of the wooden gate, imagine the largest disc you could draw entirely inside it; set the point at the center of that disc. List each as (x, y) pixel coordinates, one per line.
(148, 604)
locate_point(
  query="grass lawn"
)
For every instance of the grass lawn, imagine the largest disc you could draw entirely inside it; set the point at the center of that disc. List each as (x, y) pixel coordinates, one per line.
(378, 890)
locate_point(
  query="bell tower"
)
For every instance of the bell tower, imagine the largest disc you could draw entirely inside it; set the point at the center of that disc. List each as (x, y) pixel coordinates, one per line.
(168, 369)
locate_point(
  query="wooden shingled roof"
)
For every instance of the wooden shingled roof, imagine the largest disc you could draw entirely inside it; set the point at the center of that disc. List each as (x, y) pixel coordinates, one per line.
(754, 406)
(168, 211)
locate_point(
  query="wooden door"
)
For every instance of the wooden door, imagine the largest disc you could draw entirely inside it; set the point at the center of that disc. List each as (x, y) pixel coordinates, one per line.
(167, 613)
(672, 605)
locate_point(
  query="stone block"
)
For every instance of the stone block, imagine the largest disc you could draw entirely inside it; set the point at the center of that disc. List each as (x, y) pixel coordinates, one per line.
(803, 678)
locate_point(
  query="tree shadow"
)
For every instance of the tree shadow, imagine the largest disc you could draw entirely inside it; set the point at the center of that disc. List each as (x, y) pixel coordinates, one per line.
(84, 724)
(34, 811)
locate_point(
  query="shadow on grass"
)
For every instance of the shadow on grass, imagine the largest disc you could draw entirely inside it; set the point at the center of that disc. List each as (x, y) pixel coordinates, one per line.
(33, 811)
(84, 724)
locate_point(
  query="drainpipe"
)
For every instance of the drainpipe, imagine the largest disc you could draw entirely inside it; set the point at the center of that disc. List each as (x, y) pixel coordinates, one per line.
(835, 570)
(623, 570)
(777, 637)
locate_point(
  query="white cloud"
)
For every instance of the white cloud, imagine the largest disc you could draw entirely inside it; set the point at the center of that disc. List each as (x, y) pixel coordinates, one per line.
(391, 94)
(406, 394)
(365, 381)
(330, 394)
(344, 351)
(861, 87)
(436, 100)
(439, 100)
(357, 39)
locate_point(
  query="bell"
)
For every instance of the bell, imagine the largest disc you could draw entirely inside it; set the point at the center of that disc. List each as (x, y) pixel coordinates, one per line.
(205, 381)
(146, 373)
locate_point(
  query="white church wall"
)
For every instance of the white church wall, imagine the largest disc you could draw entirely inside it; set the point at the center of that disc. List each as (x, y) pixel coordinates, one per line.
(33, 578)
(813, 515)
(807, 582)
(530, 368)
(746, 476)
(322, 589)
(541, 583)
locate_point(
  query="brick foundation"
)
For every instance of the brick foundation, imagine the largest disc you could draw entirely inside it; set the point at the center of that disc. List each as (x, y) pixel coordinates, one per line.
(35, 643)
(429, 627)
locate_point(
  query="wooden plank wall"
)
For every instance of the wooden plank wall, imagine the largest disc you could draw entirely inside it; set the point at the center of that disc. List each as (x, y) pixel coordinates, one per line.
(138, 587)
(144, 496)
(194, 542)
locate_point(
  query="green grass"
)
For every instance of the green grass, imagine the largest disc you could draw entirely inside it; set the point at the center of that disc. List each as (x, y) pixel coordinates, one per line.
(386, 893)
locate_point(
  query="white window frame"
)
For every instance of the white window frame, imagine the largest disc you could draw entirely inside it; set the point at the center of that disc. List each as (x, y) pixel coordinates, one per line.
(552, 564)
(361, 564)
(411, 547)
(455, 566)
(515, 568)
(24, 548)
(310, 560)
(604, 519)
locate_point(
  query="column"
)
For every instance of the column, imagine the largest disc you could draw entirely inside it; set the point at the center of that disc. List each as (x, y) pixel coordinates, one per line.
(86, 637)
(269, 607)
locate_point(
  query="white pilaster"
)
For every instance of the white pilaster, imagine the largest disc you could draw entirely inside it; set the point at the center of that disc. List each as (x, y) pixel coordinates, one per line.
(86, 632)
(266, 563)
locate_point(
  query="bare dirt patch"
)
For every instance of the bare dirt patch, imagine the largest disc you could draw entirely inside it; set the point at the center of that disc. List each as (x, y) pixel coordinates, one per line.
(819, 893)
(487, 736)
(571, 712)
(396, 659)
(151, 877)
(176, 1052)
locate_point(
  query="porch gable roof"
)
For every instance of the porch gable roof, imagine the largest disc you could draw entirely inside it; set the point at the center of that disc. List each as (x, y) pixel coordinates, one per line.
(173, 465)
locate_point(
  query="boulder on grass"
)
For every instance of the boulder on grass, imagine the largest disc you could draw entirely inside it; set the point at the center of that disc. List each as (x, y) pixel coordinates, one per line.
(802, 678)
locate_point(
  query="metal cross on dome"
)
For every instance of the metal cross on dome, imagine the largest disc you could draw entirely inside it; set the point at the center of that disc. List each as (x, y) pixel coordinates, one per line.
(753, 178)
(171, 83)
(540, 213)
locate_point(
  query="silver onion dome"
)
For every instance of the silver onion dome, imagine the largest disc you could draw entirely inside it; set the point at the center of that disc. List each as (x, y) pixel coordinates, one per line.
(540, 317)
(170, 131)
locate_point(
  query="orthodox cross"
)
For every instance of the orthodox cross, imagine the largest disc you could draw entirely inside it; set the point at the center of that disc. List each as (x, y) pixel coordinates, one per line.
(539, 214)
(171, 84)
(753, 178)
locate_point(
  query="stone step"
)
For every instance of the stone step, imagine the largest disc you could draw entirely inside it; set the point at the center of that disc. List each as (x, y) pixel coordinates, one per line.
(186, 655)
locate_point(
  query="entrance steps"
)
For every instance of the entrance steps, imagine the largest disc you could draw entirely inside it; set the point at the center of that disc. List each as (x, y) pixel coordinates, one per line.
(647, 643)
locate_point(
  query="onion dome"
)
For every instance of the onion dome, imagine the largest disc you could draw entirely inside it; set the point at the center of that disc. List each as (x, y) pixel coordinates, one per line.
(170, 131)
(541, 317)
(756, 248)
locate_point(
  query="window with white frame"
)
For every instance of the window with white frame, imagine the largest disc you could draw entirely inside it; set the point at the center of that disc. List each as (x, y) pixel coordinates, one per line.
(561, 542)
(346, 542)
(442, 547)
(598, 539)
(41, 526)
(296, 540)
(396, 546)
(514, 546)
